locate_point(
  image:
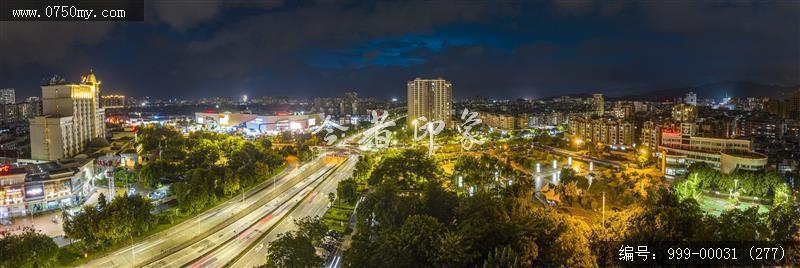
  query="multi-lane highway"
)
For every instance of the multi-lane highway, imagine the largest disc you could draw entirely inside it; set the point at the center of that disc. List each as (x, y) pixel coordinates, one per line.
(244, 230)
(188, 232)
(221, 234)
(314, 205)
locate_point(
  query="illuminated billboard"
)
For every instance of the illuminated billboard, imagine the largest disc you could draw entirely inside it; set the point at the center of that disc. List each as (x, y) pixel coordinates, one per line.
(34, 191)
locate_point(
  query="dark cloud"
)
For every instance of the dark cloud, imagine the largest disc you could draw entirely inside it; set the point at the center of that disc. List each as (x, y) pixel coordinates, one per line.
(215, 47)
(49, 43)
(181, 15)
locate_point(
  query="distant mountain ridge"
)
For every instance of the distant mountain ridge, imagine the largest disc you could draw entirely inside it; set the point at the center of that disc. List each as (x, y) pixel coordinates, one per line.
(734, 89)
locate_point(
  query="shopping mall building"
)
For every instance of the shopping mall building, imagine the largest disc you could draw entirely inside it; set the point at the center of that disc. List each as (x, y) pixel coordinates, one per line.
(259, 124)
(33, 186)
(679, 149)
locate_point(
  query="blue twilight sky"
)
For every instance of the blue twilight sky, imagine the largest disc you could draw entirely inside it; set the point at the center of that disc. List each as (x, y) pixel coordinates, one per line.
(199, 48)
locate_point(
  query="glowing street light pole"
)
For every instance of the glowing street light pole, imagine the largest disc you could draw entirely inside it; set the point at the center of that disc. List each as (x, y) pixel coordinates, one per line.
(538, 183)
(604, 208)
(430, 139)
(415, 129)
(555, 164)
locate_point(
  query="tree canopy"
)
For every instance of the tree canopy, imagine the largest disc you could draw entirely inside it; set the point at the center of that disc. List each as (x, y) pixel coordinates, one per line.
(28, 249)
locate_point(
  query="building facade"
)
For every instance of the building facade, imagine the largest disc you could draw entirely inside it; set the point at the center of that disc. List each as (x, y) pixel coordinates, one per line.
(598, 104)
(27, 188)
(681, 149)
(613, 133)
(20, 112)
(431, 98)
(7, 96)
(691, 99)
(650, 135)
(71, 118)
(499, 120)
(794, 105)
(259, 124)
(684, 113)
(623, 110)
(112, 101)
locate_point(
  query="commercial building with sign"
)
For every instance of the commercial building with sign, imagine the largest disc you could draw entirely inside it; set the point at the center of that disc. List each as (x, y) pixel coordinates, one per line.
(259, 123)
(27, 188)
(680, 149)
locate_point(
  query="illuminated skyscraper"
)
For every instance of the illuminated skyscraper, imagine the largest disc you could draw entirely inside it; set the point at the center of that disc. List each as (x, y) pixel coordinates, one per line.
(431, 98)
(71, 118)
(794, 104)
(598, 104)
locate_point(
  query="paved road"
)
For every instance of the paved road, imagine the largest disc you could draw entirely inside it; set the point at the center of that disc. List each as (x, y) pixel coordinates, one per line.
(576, 156)
(183, 234)
(239, 228)
(314, 205)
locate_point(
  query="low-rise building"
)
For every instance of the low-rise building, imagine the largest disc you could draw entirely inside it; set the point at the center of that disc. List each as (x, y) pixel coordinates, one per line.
(498, 120)
(681, 149)
(30, 187)
(259, 123)
(112, 101)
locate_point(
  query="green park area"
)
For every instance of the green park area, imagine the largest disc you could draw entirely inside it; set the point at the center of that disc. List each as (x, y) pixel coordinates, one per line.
(338, 217)
(716, 205)
(479, 208)
(348, 191)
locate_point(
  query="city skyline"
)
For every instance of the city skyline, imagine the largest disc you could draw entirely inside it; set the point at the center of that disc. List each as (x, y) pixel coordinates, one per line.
(506, 49)
(414, 133)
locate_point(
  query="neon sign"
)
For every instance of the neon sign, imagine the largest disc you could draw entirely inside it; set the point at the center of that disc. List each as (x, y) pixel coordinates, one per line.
(4, 168)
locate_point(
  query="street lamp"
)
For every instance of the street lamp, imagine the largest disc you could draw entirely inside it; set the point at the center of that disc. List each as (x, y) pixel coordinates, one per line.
(415, 128)
(604, 208)
(578, 142)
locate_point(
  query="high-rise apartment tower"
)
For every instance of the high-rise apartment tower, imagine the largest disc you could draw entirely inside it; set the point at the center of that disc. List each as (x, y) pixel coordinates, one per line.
(431, 98)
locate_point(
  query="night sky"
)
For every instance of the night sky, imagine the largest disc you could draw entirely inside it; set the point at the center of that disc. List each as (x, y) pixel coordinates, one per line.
(193, 49)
